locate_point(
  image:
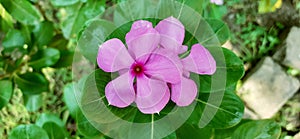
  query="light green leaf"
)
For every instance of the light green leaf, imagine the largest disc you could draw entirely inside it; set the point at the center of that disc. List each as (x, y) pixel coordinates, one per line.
(13, 39)
(93, 36)
(54, 131)
(28, 132)
(22, 11)
(43, 33)
(33, 102)
(6, 17)
(45, 117)
(31, 83)
(63, 2)
(260, 129)
(79, 14)
(220, 28)
(70, 99)
(6, 90)
(44, 58)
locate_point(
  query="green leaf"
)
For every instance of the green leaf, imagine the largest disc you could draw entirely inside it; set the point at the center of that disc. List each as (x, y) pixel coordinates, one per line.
(191, 131)
(44, 58)
(63, 2)
(31, 83)
(54, 131)
(6, 90)
(93, 36)
(227, 73)
(28, 132)
(45, 117)
(79, 14)
(33, 102)
(23, 11)
(218, 109)
(227, 133)
(70, 99)
(51, 122)
(220, 28)
(13, 39)
(43, 33)
(6, 17)
(65, 60)
(85, 127)
(197, 5)
(260, 129)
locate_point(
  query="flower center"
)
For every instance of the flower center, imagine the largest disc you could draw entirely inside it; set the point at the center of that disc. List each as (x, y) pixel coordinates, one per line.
(137, 69)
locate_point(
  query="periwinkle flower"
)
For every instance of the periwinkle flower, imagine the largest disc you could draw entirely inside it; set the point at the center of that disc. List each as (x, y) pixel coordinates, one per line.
(150, 70)
(218, 2)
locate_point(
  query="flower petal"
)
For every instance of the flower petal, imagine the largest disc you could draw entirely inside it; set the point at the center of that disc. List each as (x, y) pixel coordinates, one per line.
(159, 106)
(113, 56)
(164, 65)
(142, 38)
(151, 94)
(199, 61)
(120, 92)
(184, 93)
(172, 34)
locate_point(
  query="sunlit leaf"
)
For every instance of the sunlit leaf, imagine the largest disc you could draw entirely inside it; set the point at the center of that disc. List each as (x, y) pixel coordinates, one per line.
(220, 28)
(22, 11)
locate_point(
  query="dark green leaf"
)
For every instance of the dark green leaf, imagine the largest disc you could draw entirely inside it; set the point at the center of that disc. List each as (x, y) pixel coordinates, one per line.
(33, 102)
(218, 109)
(44, 58)
(31, 83)
(220, 28)
(93, 36)
(13, 39)
(187, 131)
(43, 33)
(79, 14)
(260, 129)
(65, 60)
(63, 2)
(44, 118)
(6, 90)
(54, 131)
(28, 132)
(22, 11)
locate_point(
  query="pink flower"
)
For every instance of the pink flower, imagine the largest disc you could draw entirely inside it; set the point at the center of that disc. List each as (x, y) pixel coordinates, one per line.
(150, 63)
(218, 2)
(199, 61)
